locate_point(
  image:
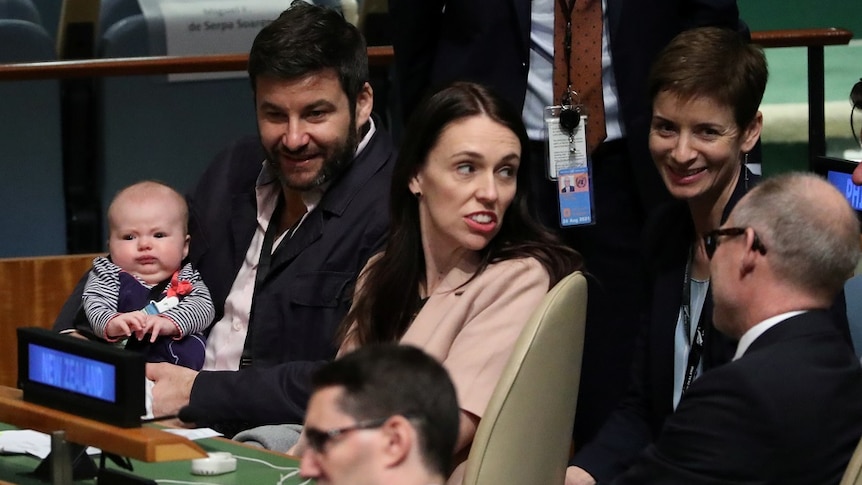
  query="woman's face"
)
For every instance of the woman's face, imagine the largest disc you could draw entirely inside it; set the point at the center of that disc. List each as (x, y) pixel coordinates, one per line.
(466, 184)
(696, 146)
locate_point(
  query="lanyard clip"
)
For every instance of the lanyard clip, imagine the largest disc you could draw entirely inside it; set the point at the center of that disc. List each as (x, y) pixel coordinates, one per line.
(570, 114)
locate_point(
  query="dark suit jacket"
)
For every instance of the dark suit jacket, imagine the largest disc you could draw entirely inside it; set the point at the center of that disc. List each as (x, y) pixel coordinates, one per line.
(309, 287)
(307, 292)
(649, 400)
(787, 412)
(488, 41)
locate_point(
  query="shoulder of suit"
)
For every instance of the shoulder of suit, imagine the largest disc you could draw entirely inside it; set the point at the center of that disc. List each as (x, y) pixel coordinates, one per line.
(518, 266)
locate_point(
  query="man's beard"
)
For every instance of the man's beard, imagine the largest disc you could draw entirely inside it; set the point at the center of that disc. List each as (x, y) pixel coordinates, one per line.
(333, 166)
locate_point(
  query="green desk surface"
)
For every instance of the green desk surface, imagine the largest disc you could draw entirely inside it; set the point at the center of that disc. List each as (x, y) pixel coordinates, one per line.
(17, 468)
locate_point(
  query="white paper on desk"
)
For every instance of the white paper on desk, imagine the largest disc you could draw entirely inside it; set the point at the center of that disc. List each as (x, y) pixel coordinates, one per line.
(194, 434)
(27, 441)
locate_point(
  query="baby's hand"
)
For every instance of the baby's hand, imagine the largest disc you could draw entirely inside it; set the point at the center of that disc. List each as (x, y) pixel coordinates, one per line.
(157, 325)
(123, 324)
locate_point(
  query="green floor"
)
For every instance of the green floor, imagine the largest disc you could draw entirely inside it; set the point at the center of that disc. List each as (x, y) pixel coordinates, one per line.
(785, 106)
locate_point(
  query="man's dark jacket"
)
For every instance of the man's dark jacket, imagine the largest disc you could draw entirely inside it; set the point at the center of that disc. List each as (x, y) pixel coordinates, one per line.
(307, 291)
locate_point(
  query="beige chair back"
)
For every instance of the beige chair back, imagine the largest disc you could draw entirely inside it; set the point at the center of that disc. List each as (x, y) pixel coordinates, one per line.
(853, 473)
(525, 433)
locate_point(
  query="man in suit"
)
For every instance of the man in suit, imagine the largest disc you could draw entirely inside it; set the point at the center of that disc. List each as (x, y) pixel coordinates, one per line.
(786, 410)
(309, 72)
(509, 45)
(385, 414)
(281, 226)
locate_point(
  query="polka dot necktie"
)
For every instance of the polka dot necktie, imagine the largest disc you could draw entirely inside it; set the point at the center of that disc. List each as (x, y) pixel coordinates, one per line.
(585, 70)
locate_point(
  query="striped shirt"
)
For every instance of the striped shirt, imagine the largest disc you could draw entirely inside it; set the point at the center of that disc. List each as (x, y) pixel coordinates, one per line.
(193, 314)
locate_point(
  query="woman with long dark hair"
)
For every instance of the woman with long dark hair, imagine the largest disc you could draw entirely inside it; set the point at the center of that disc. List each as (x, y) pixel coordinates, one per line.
(465, 265)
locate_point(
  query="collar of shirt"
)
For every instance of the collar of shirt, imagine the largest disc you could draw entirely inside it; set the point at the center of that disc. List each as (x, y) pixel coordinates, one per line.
(756, 331)
(372, 128)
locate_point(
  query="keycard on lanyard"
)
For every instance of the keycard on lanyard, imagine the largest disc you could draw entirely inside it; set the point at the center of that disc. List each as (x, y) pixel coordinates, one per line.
(576, 196)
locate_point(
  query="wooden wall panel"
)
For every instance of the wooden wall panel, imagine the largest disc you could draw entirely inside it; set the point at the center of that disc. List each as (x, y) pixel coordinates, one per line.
(32, 291)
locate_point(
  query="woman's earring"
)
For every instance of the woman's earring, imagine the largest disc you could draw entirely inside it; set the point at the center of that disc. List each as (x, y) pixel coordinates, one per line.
(418, 195)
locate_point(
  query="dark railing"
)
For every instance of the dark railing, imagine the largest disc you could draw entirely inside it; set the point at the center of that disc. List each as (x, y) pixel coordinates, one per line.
(380, 56)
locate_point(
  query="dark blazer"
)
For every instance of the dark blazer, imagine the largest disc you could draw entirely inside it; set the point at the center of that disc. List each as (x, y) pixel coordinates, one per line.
(306, 294)
(787, 412)
(309, 287)
(488, 41)
(649, 400)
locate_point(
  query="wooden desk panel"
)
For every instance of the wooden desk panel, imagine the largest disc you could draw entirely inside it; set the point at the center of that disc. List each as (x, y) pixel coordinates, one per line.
(144, 444)
(32, 291)
(250, 471)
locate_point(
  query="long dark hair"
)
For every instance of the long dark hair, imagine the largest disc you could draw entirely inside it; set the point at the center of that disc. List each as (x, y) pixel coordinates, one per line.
(389, 289)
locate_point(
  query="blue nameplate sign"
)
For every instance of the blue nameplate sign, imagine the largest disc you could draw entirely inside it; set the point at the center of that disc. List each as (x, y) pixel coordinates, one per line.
(85, 378)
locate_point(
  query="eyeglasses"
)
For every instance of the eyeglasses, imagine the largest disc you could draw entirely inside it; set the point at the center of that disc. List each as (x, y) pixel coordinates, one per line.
(318, 438)
(710, 239)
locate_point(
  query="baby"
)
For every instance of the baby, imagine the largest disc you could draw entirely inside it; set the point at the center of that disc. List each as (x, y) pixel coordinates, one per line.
(144, 288)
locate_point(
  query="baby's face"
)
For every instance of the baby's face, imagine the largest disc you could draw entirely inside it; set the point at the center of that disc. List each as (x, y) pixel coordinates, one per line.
(148, 239)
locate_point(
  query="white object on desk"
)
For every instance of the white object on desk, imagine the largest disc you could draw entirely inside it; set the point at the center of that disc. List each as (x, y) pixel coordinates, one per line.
(217, 463)
(27, 441)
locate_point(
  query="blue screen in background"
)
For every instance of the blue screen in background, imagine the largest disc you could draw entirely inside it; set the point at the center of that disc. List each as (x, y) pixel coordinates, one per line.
(72, 373)
(844, 183)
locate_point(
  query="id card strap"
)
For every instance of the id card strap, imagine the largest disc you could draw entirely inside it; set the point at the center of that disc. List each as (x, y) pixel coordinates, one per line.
(696, 344)
(567, 6)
